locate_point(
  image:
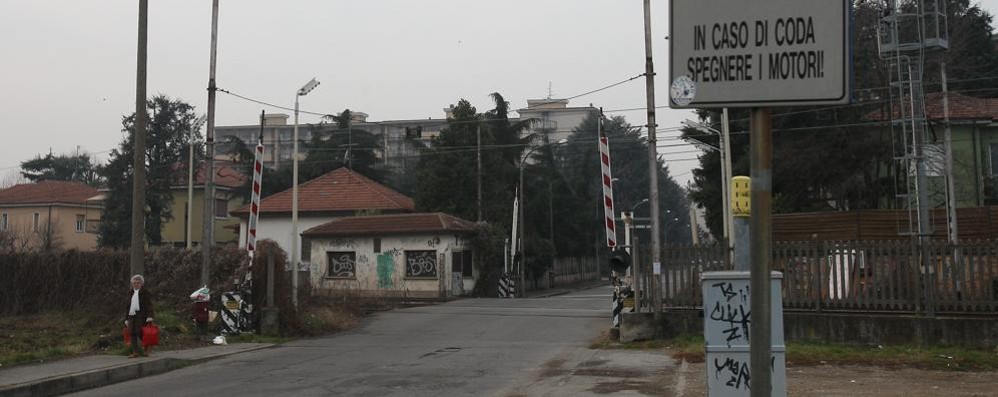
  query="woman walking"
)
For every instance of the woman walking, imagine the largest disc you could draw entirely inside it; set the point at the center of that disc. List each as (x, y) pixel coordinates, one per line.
(139, 313)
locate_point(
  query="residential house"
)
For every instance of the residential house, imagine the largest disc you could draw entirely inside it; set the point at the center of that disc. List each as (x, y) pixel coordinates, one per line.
(227, 179)
(50, 215)
(339, 193)
(974, 129)
(397, 255)
(974, 126)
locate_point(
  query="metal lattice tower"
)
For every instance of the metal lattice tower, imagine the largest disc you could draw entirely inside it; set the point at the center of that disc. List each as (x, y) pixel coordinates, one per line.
(908, 31)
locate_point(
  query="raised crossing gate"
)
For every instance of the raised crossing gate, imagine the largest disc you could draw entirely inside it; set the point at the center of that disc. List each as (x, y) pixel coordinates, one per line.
(604, 154)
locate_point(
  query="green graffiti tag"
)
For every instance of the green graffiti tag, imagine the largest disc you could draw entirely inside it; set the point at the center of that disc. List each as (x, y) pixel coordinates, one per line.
(386, 267)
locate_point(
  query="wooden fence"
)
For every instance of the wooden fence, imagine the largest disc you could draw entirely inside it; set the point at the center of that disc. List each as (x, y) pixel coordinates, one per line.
(575, 270)
(865, 276)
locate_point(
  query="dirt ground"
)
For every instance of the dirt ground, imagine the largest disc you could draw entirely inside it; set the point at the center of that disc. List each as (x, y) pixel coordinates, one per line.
(622, 372)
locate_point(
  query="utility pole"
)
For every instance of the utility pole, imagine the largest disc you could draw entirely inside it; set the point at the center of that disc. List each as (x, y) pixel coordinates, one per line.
(190, 191)
(479, 131)
(729, 218)
(208, 231)
(954, 237)
(656, 247)
(137, 256)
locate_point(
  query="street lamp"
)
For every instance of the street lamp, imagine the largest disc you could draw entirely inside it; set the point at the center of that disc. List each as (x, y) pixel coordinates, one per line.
(635, 206)
(295, 247)
(522, 210)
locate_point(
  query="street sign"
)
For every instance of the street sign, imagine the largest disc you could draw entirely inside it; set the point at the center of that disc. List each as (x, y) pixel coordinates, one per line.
(755, 53)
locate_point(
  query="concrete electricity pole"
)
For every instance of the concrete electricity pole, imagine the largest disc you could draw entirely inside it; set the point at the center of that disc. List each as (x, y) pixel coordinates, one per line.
(954, 236)
(656, 248)
(138, 248)
(479, 154)
(190, 191)
(726, 182)
(208, 231)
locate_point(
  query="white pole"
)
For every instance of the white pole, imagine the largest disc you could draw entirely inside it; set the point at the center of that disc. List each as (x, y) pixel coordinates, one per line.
(294, 213)
(726, 182)
(190, 191)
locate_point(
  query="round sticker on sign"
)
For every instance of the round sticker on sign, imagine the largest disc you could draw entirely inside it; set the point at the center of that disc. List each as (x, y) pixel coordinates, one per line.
(684, 89)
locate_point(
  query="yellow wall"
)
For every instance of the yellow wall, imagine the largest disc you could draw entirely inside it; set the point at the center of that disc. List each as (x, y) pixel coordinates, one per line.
(174, 230)
(63, 223)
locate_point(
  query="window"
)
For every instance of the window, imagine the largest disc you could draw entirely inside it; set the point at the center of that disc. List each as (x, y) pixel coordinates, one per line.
(3, 221)
(935, 159)
(306, 250)
(341, 265)
(421, 264)
(994, 159)
(81, 223)
(221, 208)
(34, 222)
(463, 263)
(377, 244)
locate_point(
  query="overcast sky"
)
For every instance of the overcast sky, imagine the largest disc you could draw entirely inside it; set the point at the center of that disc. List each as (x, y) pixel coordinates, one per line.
(67, 67)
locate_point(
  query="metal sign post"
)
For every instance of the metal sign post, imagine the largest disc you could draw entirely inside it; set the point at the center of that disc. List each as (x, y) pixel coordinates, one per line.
(760, 251)
(758, 54)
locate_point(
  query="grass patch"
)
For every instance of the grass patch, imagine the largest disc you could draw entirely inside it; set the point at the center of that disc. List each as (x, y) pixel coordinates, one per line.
(690, 347)
(935, 357)
(47, 336)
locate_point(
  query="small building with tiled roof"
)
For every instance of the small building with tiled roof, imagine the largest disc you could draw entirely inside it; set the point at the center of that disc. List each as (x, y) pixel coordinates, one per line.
(49, 215)
(395, 255)
(339, 193)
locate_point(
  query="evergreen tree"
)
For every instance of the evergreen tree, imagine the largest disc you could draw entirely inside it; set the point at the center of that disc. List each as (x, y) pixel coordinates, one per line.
(66, 167)
(172, 126)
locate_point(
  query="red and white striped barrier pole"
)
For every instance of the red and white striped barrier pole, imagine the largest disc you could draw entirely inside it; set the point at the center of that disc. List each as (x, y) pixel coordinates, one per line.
(254, 208)
(254, 215)
(604, 154)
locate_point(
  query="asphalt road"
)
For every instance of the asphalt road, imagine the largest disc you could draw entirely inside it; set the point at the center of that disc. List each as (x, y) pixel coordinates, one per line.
(466, 347)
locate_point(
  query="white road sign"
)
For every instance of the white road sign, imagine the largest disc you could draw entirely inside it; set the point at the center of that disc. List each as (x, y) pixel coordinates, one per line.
(749, 53)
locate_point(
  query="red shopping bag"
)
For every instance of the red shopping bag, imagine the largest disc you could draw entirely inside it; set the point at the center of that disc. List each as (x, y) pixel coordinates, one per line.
(127, 333)
(150, 335)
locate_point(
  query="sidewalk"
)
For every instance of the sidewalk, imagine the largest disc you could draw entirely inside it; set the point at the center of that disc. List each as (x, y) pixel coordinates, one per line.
(568, 288)
(75, 374)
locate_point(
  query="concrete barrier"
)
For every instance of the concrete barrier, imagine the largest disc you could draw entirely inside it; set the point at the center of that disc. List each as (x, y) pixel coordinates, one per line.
(637, 327)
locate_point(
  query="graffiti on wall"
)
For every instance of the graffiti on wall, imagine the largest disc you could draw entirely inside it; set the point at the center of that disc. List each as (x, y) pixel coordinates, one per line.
(386, 269)
(341, 265)
(421, 264)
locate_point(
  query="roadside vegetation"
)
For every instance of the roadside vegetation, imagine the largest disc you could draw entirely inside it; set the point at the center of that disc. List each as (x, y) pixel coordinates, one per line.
(691, 349)
(60, 305)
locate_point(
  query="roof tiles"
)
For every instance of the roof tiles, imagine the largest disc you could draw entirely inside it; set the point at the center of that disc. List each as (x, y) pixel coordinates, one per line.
(46, 192)
(339, 190)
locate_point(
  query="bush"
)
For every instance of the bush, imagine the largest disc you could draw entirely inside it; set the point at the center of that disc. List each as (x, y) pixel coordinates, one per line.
(97, 282)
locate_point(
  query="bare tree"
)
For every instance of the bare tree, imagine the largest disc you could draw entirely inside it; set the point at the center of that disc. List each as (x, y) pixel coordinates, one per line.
(11, 178)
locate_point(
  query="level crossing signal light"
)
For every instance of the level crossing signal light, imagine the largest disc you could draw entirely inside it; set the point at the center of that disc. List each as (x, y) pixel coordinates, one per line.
(620, 260)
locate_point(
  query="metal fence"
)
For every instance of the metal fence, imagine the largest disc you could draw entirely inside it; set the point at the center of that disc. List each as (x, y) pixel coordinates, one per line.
(867, 276)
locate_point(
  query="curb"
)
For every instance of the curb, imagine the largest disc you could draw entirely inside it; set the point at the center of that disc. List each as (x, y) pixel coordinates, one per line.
(90, 379)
